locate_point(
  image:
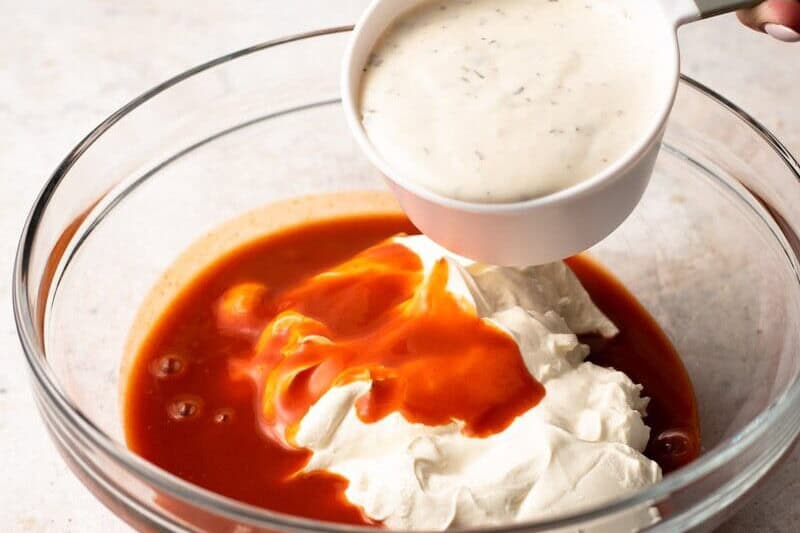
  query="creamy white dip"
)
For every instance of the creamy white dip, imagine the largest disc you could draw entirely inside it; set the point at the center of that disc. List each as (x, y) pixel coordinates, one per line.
(580, 446)
(507, 100)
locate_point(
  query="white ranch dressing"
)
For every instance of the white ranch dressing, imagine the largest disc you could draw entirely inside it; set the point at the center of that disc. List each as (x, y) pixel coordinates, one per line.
(506, 100)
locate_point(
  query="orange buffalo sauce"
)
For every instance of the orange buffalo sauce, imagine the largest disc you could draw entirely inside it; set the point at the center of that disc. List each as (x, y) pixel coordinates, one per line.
(244, 351)
(375, 317)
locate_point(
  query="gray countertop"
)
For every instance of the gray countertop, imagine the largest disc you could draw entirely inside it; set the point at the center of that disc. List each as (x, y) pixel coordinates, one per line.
(67, 64)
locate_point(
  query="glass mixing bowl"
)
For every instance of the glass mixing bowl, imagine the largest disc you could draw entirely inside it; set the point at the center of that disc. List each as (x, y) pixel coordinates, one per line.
(712, 251)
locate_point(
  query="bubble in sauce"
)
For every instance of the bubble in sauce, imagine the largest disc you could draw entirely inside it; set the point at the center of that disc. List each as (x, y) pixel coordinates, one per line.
(223, 416)
(185, 407)
(168, 366)
(674, 443)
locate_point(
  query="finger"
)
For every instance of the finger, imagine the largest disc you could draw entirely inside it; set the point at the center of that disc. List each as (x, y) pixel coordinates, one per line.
(779, 18)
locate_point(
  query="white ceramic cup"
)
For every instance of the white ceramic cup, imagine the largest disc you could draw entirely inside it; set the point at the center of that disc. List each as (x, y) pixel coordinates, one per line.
(543, 229)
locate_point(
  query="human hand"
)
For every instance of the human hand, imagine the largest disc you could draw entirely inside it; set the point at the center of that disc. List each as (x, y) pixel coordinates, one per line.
(778, 18)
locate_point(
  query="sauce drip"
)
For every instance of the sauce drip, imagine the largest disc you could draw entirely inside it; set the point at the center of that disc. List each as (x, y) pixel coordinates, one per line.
(188, 413)
(375, 318)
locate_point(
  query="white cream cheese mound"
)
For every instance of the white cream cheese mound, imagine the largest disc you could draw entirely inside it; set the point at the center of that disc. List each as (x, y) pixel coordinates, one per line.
(506, 100)
(581, 445)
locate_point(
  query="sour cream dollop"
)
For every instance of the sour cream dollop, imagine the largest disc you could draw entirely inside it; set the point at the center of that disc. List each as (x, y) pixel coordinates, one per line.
(581, 445)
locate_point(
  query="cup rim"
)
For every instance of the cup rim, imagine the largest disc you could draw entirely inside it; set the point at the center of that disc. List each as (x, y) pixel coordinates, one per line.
(70, 415)
(608, 175)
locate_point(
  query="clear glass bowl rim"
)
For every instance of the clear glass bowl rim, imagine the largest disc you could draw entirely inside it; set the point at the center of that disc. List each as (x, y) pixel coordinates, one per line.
(173, 486)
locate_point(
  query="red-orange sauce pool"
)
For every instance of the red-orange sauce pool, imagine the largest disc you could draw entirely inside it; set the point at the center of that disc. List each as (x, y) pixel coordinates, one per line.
(193, 408)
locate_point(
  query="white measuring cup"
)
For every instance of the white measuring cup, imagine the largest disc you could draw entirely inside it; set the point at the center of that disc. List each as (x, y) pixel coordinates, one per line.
(542, 229)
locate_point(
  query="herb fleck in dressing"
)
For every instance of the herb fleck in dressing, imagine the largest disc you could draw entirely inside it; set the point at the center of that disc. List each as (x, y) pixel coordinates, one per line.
(507, 100)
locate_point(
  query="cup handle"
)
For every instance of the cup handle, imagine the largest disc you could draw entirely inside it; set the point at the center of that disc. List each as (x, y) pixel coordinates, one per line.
(685, 11)
(711, 8)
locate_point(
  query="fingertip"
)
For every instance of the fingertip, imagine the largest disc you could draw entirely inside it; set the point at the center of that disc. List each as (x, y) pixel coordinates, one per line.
(746, 17)
(779, 18)
(781, 32)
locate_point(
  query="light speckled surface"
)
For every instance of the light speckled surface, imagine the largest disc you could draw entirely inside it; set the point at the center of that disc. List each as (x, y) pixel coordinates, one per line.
(66, 65)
